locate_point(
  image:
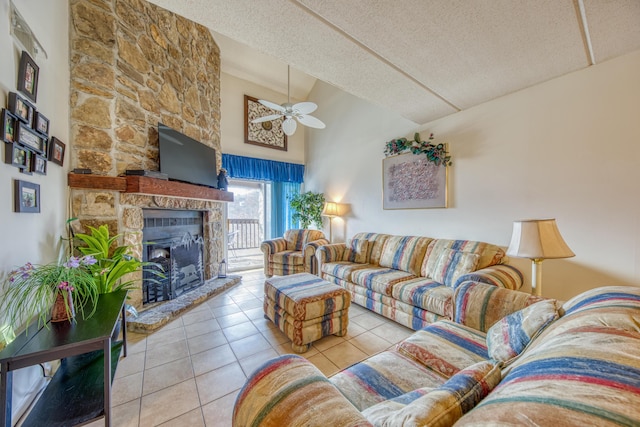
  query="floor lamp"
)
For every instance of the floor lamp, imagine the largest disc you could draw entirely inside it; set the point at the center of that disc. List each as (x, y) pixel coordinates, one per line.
(537, 239)
(331, 210)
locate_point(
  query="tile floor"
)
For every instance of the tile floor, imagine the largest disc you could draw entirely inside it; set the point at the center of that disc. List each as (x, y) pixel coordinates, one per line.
(189, 372)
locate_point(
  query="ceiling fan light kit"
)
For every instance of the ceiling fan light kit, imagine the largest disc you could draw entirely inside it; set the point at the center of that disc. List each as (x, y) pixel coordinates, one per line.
(299, 112)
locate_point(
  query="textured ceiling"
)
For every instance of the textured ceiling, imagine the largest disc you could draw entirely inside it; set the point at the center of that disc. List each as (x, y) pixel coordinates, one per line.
(424, 59)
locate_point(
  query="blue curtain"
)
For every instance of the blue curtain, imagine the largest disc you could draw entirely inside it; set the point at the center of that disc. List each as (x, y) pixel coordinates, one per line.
(262, 170)
(285, 179)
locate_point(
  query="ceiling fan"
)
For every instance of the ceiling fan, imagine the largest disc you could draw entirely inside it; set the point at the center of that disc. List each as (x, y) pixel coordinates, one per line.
(300, 111)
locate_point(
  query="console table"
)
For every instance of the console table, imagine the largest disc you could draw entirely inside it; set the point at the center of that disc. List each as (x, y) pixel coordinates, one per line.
(80, 390)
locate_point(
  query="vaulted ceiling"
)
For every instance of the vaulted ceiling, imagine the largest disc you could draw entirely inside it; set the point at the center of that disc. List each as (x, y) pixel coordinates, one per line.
(423, 59)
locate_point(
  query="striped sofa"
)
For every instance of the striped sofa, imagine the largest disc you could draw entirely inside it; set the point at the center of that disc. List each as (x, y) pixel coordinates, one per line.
(579, 366)
(411, 279)
(293, 253)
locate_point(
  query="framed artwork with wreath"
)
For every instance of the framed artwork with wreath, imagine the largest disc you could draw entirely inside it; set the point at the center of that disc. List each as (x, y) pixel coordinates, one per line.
(266, 134)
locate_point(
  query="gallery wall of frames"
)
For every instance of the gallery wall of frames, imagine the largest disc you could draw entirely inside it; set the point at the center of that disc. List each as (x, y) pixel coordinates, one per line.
(28, 144)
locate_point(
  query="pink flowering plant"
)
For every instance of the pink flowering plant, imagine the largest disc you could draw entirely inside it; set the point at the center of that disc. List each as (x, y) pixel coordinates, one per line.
(31, 290)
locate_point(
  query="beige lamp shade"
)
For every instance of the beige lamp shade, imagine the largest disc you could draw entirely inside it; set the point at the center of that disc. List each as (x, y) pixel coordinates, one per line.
(331, 209)
(538, 239)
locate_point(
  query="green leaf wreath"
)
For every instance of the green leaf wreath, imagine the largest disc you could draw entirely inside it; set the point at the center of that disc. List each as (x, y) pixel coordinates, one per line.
(436, 153)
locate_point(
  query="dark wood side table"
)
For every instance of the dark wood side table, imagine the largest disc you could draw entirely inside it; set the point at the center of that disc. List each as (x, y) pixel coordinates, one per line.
(80, 391)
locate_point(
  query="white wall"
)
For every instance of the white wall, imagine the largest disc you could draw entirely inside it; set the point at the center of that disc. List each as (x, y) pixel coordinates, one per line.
(232, 92)
(568, 149)
(30, 236)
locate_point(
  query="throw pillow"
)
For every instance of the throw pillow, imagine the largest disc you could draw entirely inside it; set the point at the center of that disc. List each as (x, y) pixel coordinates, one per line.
(452, 264)
(404, 253)
(356, 251)
(509, 336)
(442, 406)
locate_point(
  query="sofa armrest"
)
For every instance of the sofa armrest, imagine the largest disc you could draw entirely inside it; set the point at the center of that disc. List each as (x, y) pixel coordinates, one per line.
(270, 247)
(309, 251)
(291, 391)
(479, 305)
(501, 275)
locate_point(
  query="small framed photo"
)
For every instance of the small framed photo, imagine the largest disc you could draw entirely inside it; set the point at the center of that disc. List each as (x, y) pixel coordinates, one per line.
(26, 197)
(56, 151)
(8, 125)
(38, 164)
(28, 74)
(41, 123)
(21, 108)
(28, 137)
(17, 155)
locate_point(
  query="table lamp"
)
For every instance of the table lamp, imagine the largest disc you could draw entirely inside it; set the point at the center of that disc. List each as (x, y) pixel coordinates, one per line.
(537, 239)
(331, 210)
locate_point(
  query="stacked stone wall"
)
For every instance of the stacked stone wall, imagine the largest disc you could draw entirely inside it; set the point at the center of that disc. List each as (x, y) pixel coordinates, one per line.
(134, 64)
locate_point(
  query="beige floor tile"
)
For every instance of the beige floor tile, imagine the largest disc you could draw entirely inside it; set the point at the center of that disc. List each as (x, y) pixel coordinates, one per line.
(242, 297)
(263, 324)
(226, 310)
(285, 348)
(392, 332)
(255, 313)
(166, 353)
(326, 366)
(275, 336)
(126, 389)
(237, 332)
(232, 319)
(328, 341)
(251, 363)
(248, 304)
(367, 320)
(344, 355)
(354, 330)
(197, 316)
(168, 403)
(125, 415)
(219, 412)
(136, 343)
(200, 328)
(219, 301)
(206, 341)
(190, 419)
(250, 345)
(220, 382)
(166, 375)
(131, 364)
(370, 343)
(212, 359)
(176, 323)
(165, 337)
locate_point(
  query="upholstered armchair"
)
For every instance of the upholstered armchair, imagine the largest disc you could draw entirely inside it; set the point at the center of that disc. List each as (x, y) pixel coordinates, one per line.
(293, 253)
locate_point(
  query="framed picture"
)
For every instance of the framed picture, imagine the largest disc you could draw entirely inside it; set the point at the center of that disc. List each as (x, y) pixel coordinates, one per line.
(411, 181)
(17, 155)
(26, 196)
(266, 134)
(38, 164)
(21, 108)
(28, 137)
(28, 74)
(56, 151)
(41, 123)
(8, 125)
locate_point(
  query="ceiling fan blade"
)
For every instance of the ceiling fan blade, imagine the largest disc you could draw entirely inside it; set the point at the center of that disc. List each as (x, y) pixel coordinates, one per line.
(305, 107)
(271, 105)
(266, 118)
(311, 121)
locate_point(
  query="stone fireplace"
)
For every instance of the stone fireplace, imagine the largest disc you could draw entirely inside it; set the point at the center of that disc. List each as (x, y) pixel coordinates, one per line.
(134, 64)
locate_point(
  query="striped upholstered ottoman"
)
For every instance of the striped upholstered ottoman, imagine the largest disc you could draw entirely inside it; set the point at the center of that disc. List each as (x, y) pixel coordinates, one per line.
(306, 308)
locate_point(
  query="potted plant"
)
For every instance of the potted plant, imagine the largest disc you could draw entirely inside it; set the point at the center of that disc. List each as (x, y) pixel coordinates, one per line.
(307, 208)
(34, 289)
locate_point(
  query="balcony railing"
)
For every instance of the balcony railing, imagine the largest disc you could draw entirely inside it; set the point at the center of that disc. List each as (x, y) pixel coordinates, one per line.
(244, 233)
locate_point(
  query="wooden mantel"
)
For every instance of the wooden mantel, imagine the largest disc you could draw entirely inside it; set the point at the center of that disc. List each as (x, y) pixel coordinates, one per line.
(146, 185)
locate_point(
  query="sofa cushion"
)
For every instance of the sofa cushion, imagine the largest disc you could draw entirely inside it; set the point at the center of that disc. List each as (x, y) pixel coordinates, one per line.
(424, 293)
(288, 258)
(445, 347)
(489, 254)
(341, 270)
(379, 279)
(356, 251)
(452, 264)
(609, 296)
(509, 336)
(404, 253)
(381, 377)
(441, 406)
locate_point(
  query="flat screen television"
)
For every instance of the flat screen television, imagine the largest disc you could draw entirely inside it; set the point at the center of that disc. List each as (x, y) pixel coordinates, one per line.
(184, 159)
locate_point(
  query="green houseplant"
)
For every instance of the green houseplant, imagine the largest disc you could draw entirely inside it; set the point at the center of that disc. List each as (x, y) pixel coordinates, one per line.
(307, 208)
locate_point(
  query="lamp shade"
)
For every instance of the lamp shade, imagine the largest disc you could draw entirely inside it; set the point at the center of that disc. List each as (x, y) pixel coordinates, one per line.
(538, 239)
(331, 209)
